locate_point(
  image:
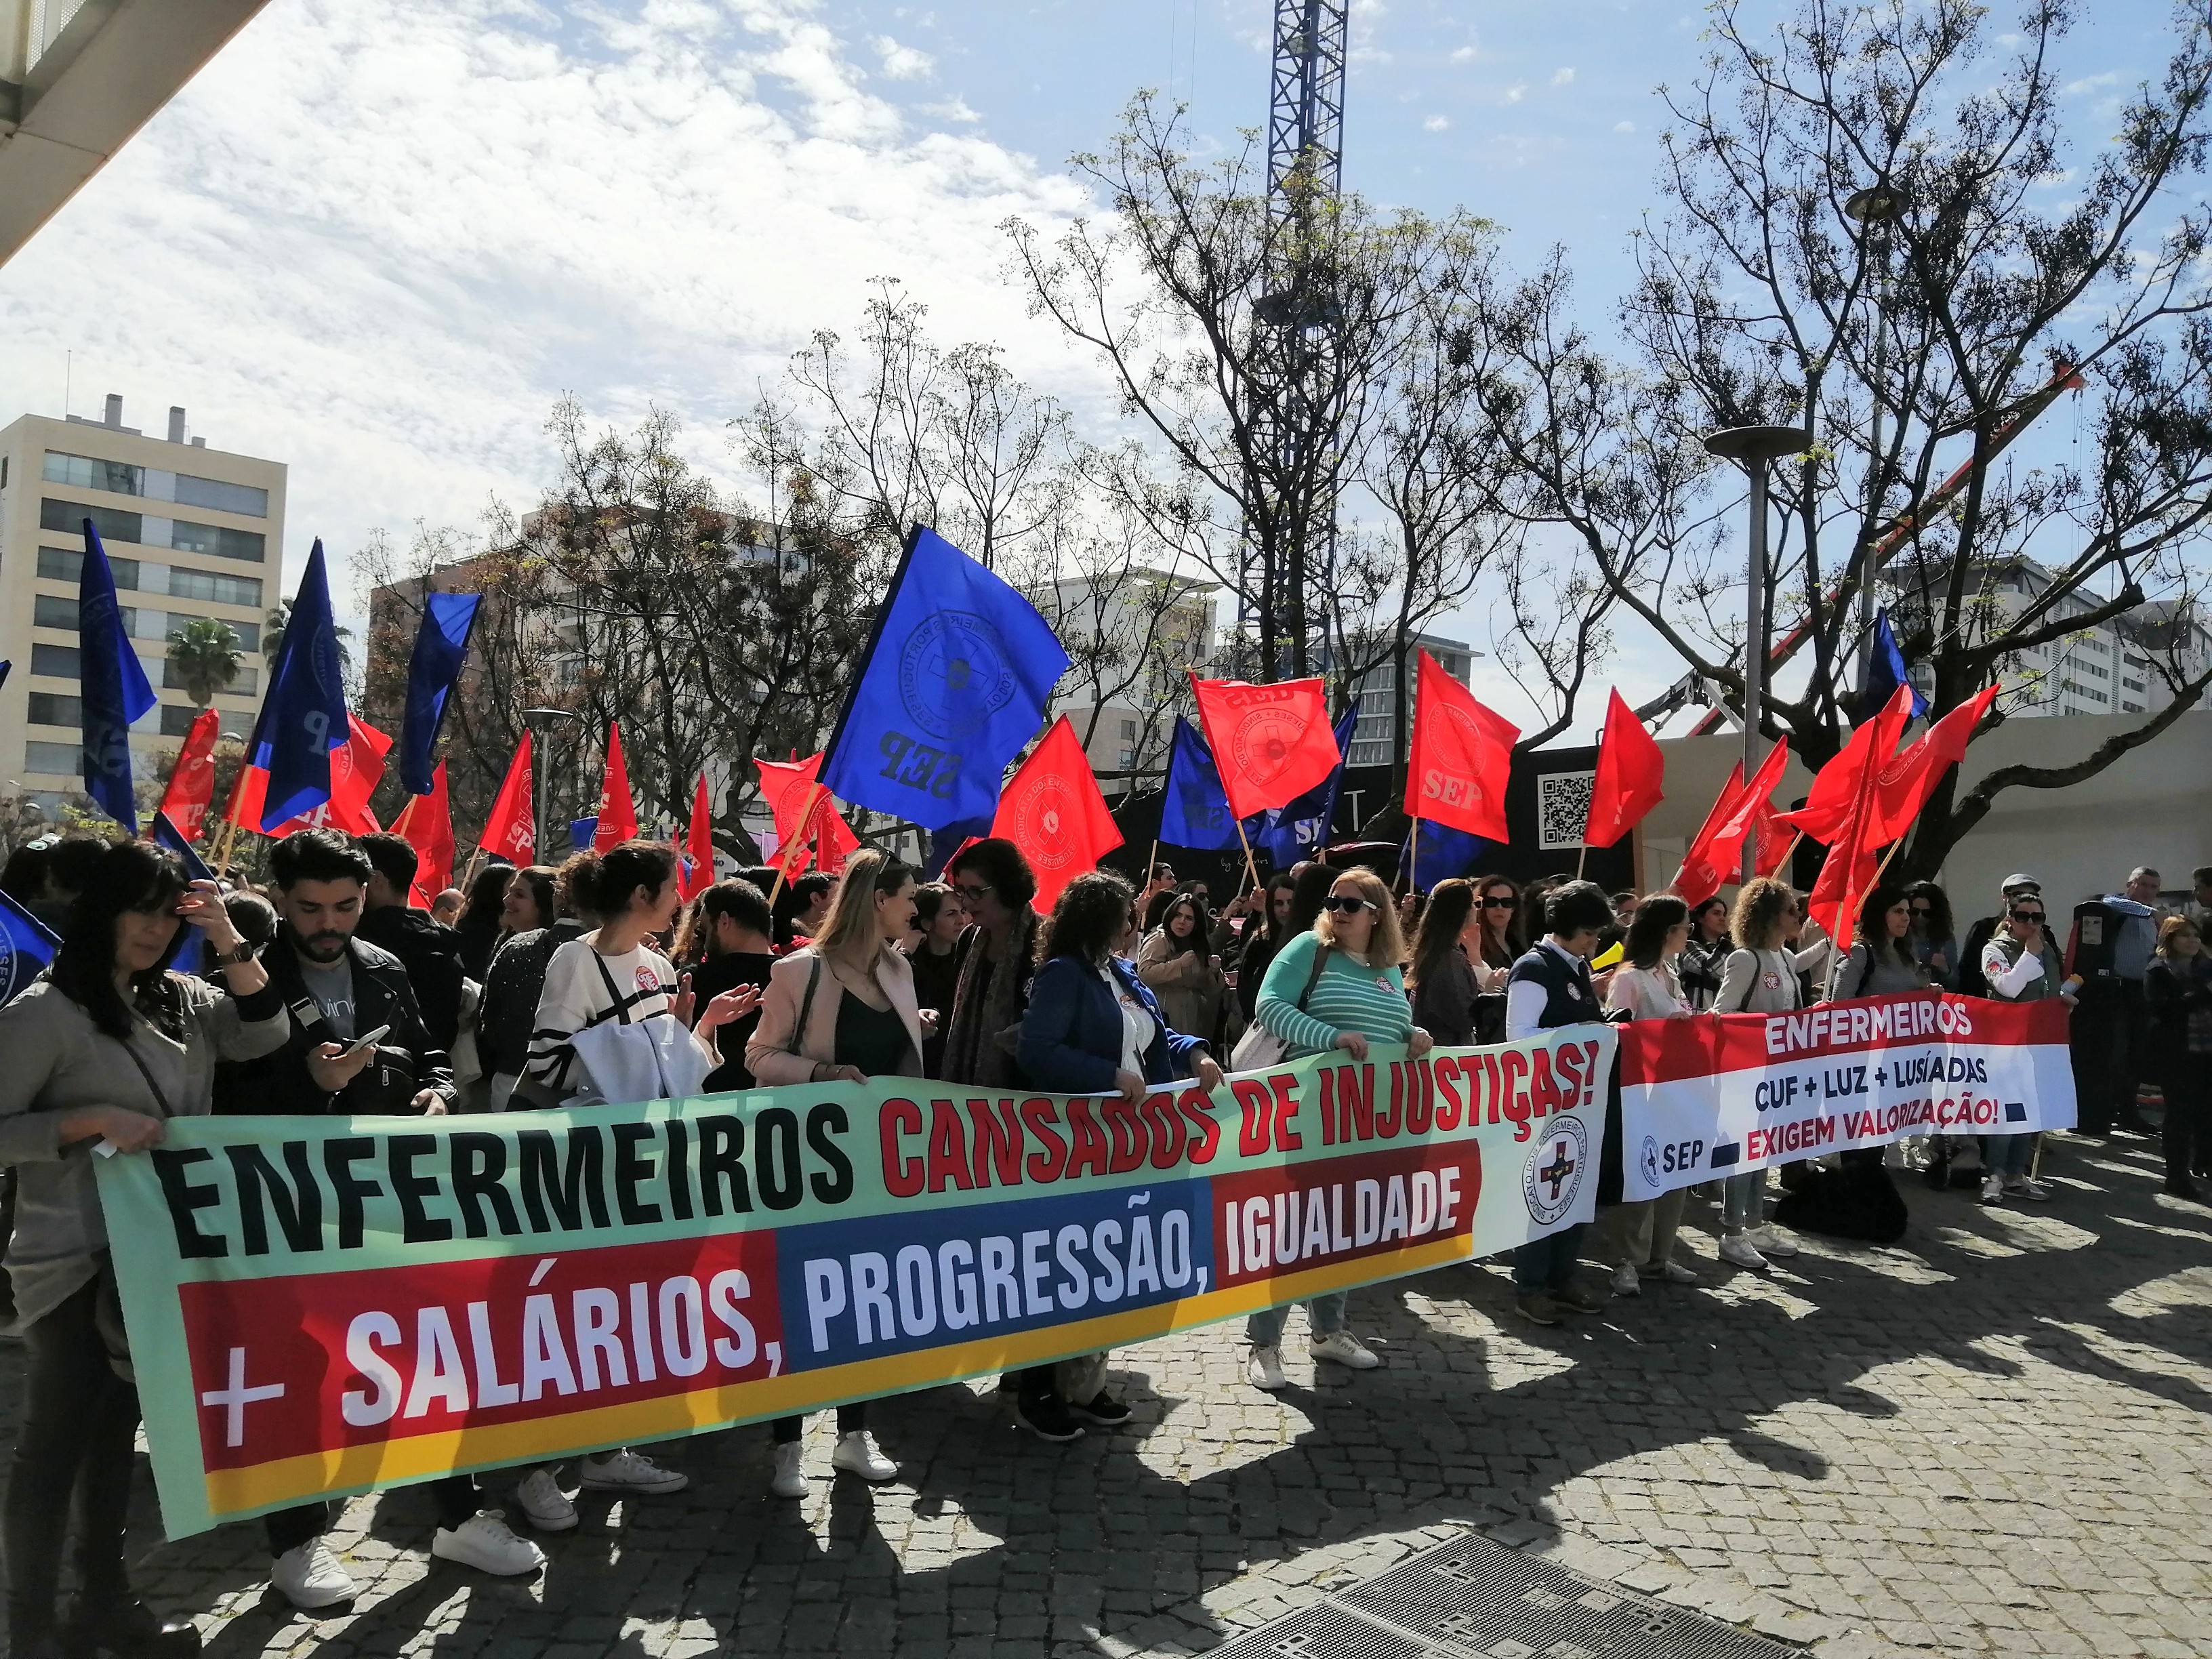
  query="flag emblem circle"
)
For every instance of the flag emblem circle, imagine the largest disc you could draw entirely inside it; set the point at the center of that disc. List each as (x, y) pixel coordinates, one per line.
(1264, 740)
(954, 675)
(12, 961)
(1650, 1161)
(1552, 1174)
(1043, 817)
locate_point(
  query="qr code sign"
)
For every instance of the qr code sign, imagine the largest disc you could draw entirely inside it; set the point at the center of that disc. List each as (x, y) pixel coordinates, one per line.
(1563, 801)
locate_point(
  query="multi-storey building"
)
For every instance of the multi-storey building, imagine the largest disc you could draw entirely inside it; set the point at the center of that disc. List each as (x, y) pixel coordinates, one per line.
(2107, 669)
(192, 532)
(1376, 739)
(1134, 639)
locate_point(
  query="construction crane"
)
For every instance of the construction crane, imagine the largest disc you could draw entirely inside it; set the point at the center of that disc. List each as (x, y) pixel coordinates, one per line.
(1305, 160)
(1694, 689)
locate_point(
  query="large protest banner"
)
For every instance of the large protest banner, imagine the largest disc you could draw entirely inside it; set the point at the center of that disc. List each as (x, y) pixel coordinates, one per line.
(324, 1306)
(1726, 1094)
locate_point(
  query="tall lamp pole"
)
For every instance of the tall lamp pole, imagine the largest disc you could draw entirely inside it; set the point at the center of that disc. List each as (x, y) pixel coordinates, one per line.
(539, 722)
(1873, 209)
(1754, 448)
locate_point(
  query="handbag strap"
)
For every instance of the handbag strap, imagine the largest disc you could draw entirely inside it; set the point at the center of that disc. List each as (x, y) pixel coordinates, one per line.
(806, 1004)
(147, 1071)
(1313, 977)
(622, 1008)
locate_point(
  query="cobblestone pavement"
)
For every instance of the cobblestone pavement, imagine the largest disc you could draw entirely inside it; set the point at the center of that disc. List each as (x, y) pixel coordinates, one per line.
(1996, 1437)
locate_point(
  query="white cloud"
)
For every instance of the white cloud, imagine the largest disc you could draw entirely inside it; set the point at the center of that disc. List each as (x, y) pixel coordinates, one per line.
(2092, 83)
(1517, 92)
(1466, 54)
(1561, 77)
(955, 108)
(1624, 126)
(1436, 123)
(903, 63)
(646, 210)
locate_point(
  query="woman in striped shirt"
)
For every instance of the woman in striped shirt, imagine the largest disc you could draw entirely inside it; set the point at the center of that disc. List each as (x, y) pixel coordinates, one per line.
(1352, 996)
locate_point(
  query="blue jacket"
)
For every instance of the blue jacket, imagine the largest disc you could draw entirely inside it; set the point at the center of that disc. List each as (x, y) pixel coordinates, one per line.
(1071, 1033)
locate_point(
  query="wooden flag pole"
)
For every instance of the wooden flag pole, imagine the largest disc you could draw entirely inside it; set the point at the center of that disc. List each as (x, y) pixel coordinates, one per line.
(1251, 867)
(470, 875)
(1152, 862)
(798, 841)
(1580, 856)
(1412, 857)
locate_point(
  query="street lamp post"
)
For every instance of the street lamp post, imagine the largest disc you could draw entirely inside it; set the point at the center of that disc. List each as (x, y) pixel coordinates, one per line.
(1754, 448)
(1874, 207)
(539, 722)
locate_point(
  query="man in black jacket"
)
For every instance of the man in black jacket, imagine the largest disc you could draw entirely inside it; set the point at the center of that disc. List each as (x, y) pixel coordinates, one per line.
(430, 950)
(340, 989)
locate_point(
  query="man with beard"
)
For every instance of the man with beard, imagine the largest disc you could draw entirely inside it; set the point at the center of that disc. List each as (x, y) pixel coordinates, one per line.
(339, 989)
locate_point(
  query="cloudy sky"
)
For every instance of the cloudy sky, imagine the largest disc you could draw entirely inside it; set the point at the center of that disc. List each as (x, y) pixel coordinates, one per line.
(377, 240)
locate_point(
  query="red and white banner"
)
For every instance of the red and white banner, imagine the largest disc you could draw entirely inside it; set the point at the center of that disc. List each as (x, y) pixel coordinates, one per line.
(1725, 1094)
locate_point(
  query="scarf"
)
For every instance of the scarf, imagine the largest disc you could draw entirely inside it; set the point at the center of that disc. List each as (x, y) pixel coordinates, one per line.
(987, 1003)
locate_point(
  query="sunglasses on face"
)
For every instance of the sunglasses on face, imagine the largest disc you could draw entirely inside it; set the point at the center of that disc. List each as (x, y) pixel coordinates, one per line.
(1922, 910)
(2028, 916)
(1346, 905)
(1503, 901)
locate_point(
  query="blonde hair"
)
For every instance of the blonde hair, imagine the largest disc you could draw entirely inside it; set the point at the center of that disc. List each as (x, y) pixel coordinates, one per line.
(850, 928)
(1759, 906)
(1386, 944)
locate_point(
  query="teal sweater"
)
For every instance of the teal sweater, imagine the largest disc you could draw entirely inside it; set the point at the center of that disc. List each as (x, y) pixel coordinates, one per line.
(1348, 997)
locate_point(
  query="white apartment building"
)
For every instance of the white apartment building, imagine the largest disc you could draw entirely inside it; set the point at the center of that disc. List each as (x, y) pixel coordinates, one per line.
(1376, 739)
(2102, 669)
(191, 532)
(1133, 645)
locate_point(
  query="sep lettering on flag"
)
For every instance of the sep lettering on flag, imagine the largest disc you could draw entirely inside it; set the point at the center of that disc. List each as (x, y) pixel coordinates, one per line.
(1462, 755)
(957, 679)
(1053, 811)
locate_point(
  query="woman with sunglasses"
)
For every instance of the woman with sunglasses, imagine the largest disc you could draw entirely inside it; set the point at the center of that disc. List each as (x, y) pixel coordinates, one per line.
(2020, 965)
(1932, 940)
(1494, 947)
(1760, 978)
(1338, 986)
(2178, 986)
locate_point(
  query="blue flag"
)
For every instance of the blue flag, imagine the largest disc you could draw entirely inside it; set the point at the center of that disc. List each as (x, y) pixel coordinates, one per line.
(442, 644)
(6, 664)
(303, 717)
(583, 832)
(1287, 834)
(1440, 852)
(954, 682)
(25, 947)
(1884, 672)
(113, 683)
(1195, 812)
(191, 955)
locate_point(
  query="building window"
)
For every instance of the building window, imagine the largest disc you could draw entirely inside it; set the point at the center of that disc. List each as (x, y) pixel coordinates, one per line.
(52, 610)
(64, 760)
(242, 499)
(58, 660)
(56, 709)
(177, 719)
(2131, 685)
(59, 564)
(68, 518)
(189, 538)
(243, 686)
(87, 473)
(1126, 759)
(1128, 730)
(205, 584)
(2128, 707)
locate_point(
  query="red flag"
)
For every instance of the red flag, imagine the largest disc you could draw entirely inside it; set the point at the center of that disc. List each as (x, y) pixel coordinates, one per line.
(1270, 743)
(1772, 841)
(426, 824)
(1902, 786)
(1700, 876)
(1848, 874)
(1052, 809)
(833, 838)
(356, 768)
(699, 846)
(1629, 769)
(617, 812)
(784, 786)
(1462, 755)
(1835, 794)
(510, 830)
(192, 780)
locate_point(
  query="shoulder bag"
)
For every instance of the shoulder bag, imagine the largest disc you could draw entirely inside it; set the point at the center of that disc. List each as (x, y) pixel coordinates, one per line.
(1260, 1046)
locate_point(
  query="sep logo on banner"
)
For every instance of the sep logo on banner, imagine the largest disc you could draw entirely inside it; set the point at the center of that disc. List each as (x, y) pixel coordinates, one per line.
(1727, 1094)
(322, 1306)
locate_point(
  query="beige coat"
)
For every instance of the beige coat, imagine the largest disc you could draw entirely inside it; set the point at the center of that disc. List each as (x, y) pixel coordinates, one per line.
(769, 1057)
(1188, 984)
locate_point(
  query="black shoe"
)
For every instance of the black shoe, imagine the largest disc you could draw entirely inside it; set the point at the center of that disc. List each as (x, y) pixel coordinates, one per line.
(2130, 1124)
(1045, 1417)
(2183, 1187)
(1105, 1411)
(126, 1627)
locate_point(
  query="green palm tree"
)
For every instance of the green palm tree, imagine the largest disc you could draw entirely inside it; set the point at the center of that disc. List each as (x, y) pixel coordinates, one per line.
(205, 656)
(272, 636)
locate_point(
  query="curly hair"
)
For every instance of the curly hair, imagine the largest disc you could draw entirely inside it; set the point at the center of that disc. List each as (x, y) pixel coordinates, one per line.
(1761, 906)
(1091, 910)
(1000, 864)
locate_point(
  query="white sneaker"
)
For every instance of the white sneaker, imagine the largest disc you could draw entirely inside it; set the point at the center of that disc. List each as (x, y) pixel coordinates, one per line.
(1626, 1281)
(1739, 1249)
(485, 1541)
(1264, 1369)
(310, 1577)
(790, 1479)
(1992, 1189)
(857, 1453)
(1347, 1349)
(1767, 1241)
(1675, 1274)
(542, 1504)
(627, 1471)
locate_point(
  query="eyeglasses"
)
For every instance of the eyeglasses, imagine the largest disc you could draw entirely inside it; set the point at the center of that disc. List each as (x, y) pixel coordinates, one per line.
(1346, 905)
(2028, 916)
(975, 894)
(1507, 903)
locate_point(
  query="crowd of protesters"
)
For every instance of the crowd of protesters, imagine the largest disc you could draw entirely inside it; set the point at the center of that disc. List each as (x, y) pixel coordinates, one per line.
(539, 987)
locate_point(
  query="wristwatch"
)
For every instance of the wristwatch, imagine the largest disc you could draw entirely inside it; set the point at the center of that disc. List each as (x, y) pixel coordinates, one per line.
(238, 956)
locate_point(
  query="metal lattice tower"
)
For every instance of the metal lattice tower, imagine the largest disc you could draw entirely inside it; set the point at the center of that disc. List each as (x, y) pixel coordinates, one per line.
(1305, 113)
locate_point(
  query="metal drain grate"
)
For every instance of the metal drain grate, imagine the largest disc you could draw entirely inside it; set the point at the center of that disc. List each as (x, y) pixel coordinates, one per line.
(1471, 1599)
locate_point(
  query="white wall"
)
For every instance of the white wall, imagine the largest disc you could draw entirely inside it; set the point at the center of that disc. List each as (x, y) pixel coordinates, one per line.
(2153, 805)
